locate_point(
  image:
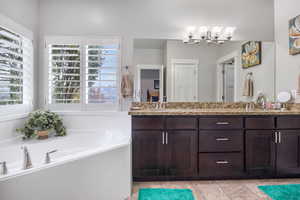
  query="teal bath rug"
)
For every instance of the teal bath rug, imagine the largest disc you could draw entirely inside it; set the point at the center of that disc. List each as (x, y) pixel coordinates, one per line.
(165, 194)
(282, 192)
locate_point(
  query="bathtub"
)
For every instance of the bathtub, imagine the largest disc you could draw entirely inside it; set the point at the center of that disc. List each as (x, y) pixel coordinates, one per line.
(88, 165)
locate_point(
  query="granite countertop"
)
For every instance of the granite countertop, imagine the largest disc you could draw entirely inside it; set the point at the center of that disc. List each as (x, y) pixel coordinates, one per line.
(214, 111)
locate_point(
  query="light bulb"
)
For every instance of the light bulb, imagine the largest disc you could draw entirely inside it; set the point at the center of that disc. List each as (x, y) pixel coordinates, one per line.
(203, 32)
(216, 31)
(191, 29)
(229, 31)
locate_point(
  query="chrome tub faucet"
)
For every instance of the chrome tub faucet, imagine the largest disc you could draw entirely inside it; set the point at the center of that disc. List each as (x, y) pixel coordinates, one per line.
(27, 164)
(48, 158)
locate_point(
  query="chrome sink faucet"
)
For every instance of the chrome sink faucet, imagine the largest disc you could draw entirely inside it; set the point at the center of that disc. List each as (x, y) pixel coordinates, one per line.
(4, 168)
(27, 164)
(250, 106)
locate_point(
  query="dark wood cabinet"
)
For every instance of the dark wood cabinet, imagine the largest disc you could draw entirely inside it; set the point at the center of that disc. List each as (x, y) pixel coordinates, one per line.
(214, 165)
(221, 141)
(213, 147)
(148, 154)
(168, 152)
(288, 152)
(221, 123)
(181, 153)
(260, 152)
(261, 123)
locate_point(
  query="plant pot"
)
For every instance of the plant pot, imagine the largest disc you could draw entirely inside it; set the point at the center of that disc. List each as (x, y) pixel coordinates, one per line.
(42, 134)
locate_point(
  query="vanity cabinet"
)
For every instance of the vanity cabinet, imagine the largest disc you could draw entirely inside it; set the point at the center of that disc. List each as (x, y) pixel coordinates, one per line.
(164, 147)
(215, 147)
(288, 152)
(273, 152)
(148, 154)
(260, 152)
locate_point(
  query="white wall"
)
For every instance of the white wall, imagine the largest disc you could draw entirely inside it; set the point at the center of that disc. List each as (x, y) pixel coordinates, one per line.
(287, 66)
(207, 57)
(148, 56)
(24, 13)
(263, 74)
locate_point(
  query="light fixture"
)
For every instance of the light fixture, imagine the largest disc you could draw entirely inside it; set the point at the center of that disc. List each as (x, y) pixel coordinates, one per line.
(215, 35)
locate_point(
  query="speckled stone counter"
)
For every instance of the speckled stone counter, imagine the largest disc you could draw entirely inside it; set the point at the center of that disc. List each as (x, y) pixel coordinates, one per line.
(208, 109)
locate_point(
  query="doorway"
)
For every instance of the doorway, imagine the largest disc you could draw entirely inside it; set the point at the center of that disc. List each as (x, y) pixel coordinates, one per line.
(184, 80)
(149, 83)
(228, 81)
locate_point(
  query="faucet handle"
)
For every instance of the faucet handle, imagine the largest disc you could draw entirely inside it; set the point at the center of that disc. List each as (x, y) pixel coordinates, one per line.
(48, 159)
(4, 168)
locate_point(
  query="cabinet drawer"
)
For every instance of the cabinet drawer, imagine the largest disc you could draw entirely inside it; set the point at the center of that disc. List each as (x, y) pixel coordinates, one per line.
(181, 123)
(220, 141)
(260, 123)
(147, 123)
(286, 122)
(220, 164)
(221, 123)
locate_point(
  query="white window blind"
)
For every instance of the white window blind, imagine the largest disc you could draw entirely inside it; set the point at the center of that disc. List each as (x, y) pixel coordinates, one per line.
(16, 74)
(64, 74)
(83, 73)
(102, 72)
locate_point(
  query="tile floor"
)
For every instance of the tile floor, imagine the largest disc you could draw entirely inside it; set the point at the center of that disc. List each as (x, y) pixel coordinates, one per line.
(218, 190)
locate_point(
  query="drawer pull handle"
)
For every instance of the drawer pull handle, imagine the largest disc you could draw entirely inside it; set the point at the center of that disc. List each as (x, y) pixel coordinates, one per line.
(222, 139)
(222, 162)
(222, 123)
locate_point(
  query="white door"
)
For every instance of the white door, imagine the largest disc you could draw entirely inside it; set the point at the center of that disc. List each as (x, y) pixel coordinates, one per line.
(229, 83)
(185, 81)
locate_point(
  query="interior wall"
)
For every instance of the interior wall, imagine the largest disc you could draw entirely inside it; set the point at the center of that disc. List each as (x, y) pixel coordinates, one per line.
(25, 13)
(207, 57)
(287, 66)
(148, 56)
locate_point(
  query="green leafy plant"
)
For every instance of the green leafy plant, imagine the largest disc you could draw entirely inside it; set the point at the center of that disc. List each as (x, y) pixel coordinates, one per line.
(42, 120)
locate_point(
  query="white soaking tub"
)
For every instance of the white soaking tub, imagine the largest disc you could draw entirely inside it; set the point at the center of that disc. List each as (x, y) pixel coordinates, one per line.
(89, 165)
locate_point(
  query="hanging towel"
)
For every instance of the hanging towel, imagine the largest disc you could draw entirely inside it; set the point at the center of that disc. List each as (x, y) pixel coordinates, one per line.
(248, 87)
(126, 86)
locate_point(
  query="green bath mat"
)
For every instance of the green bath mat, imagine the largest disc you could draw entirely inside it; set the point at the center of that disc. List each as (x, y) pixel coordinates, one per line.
(282, 192)
(165, 194)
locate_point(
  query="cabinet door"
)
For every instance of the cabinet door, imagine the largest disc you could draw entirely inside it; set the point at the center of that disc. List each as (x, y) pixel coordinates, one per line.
(288, 162)
(181, 153)
(260, 152)
(148, 154)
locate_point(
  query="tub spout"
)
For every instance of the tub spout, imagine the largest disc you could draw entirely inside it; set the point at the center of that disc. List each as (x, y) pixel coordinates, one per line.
(4, 168)
(27, 164)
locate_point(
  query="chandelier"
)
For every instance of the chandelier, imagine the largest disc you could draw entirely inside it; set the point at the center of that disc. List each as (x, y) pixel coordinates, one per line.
(212, 35)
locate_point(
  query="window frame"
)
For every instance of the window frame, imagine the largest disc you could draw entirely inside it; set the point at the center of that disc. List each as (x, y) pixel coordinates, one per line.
(20, 110)
(83, 41)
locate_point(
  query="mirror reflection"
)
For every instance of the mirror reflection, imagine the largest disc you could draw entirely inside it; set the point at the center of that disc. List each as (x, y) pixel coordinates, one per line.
(174, 71)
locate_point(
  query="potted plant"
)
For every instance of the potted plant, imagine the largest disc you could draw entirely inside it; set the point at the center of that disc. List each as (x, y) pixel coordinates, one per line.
(40, 123)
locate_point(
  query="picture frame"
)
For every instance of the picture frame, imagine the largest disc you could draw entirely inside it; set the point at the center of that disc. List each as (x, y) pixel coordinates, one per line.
(251, 54)
(294, 35)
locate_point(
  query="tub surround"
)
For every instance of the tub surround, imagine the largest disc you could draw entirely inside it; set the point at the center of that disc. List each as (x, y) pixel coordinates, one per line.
(226, 143)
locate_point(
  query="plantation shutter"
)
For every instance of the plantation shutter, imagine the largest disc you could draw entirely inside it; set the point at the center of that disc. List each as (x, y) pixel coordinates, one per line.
(102, 72)
(16, 68)
(64, 74)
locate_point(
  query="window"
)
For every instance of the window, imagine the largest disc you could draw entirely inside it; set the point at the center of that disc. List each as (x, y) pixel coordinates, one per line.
(16, 71)
(83, 73)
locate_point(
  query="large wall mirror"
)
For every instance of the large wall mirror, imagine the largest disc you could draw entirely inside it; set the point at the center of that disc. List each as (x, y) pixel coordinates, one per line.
(231, 72)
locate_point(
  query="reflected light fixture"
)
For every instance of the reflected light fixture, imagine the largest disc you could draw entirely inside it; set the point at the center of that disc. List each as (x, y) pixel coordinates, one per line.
(212, 35)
